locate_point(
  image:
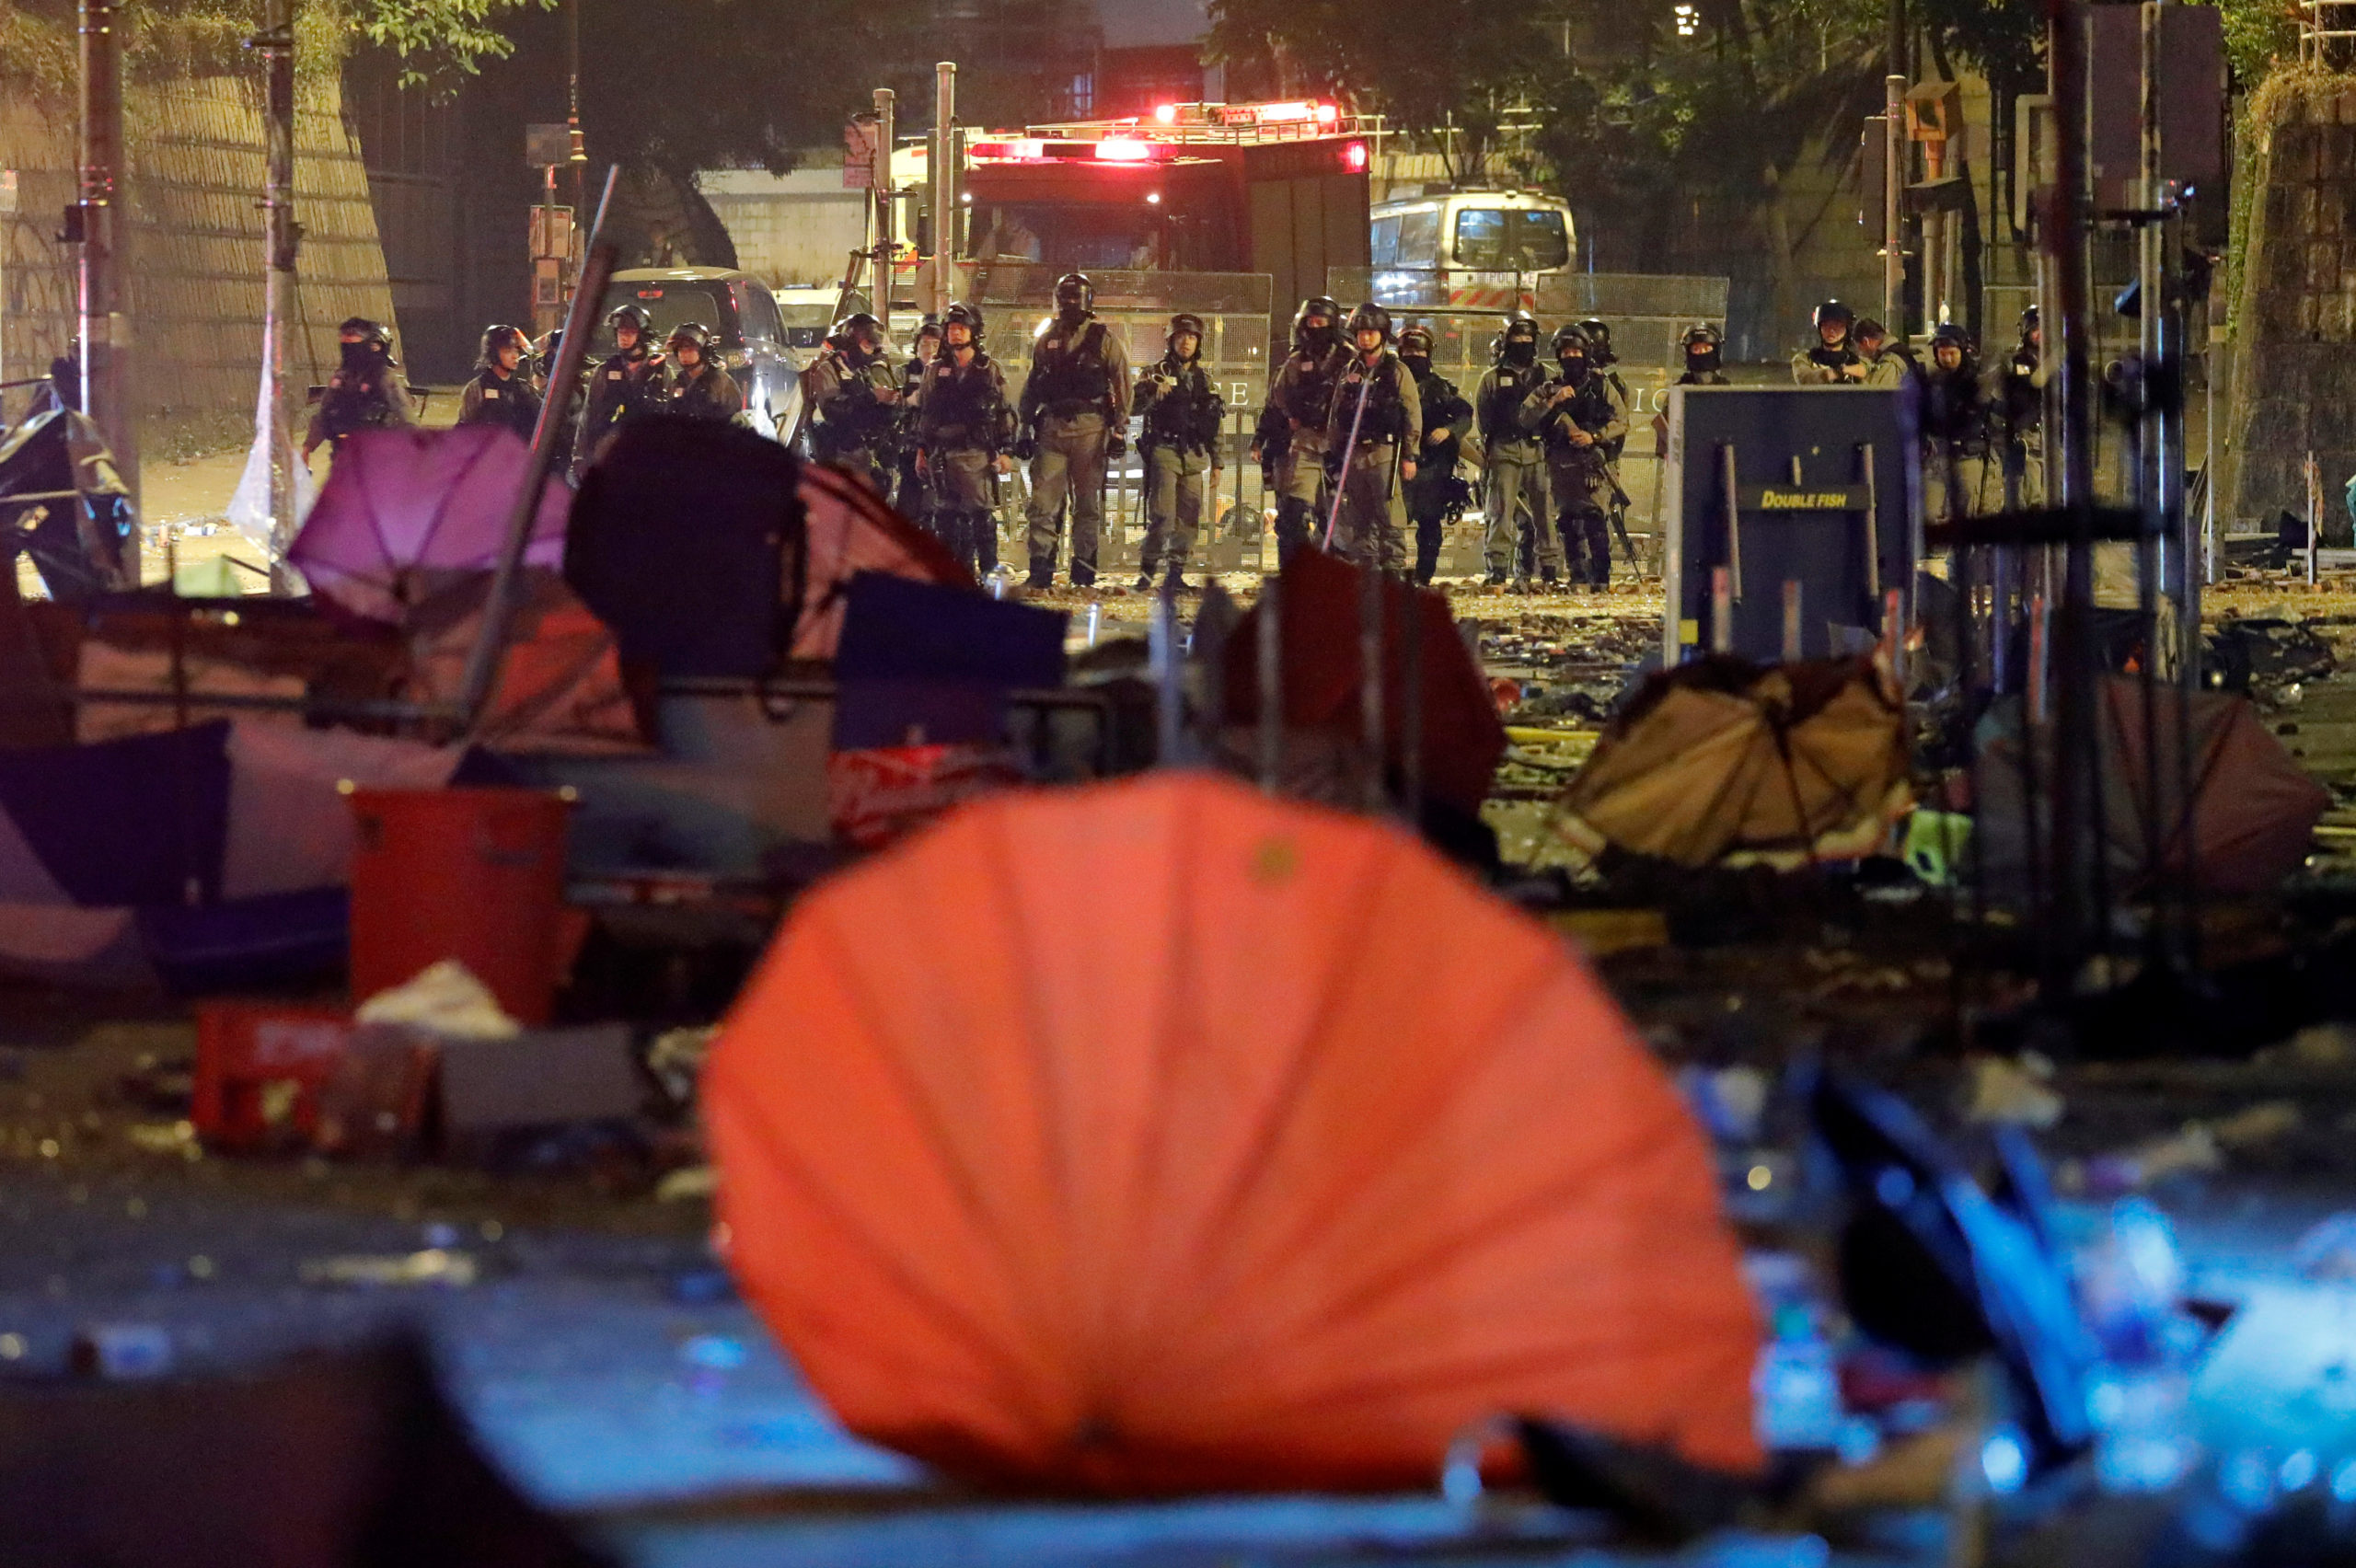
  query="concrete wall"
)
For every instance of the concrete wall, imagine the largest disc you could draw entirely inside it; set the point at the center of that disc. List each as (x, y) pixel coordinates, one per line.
(2294, 372)
(195, 247)
(790, 229)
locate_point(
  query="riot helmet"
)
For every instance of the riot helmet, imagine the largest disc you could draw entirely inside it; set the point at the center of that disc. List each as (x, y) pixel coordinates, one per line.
(497, 338)
(1075, 295)
(628, 316)
(1417, 343)
(1517, 344)
(1702, 343)
(1598, 340)
(1310, 338)
(928, 328)
(692, 335)
(1829, 315)
(1185, 321)
(851, 329)
(1370, 318)
(365, 345)
(960, 314)
(1948, 335)
(2032, 327)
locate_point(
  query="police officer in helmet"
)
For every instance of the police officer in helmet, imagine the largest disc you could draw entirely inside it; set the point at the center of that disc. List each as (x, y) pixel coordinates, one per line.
(367, 390)
(1289, 438)
(627, 383)
(1447, 416)
(501, 392)
(1374, 418)
(1182, 415)
(1578, 417)
(1074, 418)
(908, 491)
(1831, 360)
(962, 427)
(1702, 345)
(701, 387)
(853, 394)
(1519, 535)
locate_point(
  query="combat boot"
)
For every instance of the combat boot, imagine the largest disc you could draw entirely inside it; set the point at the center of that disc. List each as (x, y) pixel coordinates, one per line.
(1043, 575)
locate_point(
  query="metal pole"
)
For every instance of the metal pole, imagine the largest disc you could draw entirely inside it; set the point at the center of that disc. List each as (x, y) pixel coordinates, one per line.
(276, 43)
(103, 325)
(578, 153)
(883, 214)
(941, 163)
(1893, 180)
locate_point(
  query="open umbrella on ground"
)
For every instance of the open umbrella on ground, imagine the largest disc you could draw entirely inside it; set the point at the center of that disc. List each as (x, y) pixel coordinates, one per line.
(851, 530)
(62, 503)
(401, 506)
(1720, 756)
(1273, 1170)
(2254, 808)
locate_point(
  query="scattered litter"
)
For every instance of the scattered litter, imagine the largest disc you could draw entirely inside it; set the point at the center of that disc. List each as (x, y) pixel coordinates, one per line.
(444, 998)
(2009, 1093)
(687, 1184)
(436, 1265)
(116, 1351)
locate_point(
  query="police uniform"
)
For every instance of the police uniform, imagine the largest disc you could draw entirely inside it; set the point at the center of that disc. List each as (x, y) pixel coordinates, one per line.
(1581, 477)
(366, 396)
(708, 392)
(1075, 402)
(620, 389)
(909, 492)
(962, 425)
(2017, 395)
(1429, 493)
(853, 428)
(1514, 465)
(494, 397)
(1377, 400)
(1954, 440)
(1291, 438)
(1184, 414)
(1817, 366)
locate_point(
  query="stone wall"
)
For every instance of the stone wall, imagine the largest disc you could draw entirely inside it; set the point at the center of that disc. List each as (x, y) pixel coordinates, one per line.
(2294, 332)
(195, 247)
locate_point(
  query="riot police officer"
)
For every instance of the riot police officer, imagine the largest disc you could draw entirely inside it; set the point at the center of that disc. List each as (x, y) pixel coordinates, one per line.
(701, 387)
(1577, 416)
(628, 384)
(501, 392)
(1831, 360)
(1954, 417)
(1600, 356)
(1075, 417)
(1182, 415)
(1289, 440)
(2017, 399)
(854, 395)
(1702, 345)
(1886, 364)
(908, 491)
(1446, 417)
(963, 428)
(1374, 416)
(367, 390)
(1514, 462)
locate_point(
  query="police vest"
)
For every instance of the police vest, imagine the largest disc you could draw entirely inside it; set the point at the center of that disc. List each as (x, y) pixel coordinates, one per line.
(1070, 372)
(1385, 415)
(1187, 415)
(356, 402)
(1502, 405)
(1589, 408)
(960, 408)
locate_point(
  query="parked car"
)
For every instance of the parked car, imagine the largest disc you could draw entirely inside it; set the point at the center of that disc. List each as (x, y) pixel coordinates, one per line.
(746, 327)
(811, 314)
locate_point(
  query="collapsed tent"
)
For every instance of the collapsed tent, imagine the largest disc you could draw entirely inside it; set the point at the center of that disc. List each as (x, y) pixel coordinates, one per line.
(2254, 808)
(218, 850)
(1318, 618)
(851, 530)
(1082, 1193)
(1721, 755)
(560, 688)
(62, 503)
(403, 508)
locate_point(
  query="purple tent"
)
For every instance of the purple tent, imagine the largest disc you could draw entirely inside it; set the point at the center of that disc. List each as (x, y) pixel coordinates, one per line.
(401, 505)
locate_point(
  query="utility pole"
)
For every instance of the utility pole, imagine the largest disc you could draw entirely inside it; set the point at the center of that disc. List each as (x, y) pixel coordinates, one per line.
(579, 153)
(279, 238)
(1893, 166)
(942, 160)
(102, 325)
(884, 98)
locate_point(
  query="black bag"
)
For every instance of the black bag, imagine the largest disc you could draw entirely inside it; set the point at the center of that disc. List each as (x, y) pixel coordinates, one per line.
(688, 539)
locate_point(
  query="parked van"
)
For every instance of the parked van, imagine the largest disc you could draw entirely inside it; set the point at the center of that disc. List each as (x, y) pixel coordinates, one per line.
(1501, 237)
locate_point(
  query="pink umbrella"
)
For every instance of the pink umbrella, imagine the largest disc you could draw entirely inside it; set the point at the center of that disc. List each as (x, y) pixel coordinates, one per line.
(401, 504)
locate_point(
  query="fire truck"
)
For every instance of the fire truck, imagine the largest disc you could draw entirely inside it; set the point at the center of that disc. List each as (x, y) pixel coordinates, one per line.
(1272, 188)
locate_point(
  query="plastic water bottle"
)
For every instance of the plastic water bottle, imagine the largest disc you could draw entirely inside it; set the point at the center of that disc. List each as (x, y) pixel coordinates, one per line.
(1000, 579)
(2130, 1284)
(1797, 1387)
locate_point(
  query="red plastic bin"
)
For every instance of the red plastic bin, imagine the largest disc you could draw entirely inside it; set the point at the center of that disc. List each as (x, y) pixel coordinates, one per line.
(245, 1050)
(476, 875)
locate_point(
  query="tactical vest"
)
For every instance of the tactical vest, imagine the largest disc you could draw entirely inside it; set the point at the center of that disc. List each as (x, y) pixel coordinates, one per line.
(851, 413)
(1589, 408)
(1187, 416)
(1312, 395)
(358, 402)
(962, 408)
(1385, 418)
(1069, 375)
(1502, 405)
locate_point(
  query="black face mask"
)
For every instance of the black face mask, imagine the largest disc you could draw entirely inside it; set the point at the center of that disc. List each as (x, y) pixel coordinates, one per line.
(1573, 370)
(1420, 363)
(1700, 359)
(1521, 350)
(359, 356)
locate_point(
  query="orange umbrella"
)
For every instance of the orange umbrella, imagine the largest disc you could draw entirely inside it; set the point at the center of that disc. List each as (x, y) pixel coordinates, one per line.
(1161, 1136)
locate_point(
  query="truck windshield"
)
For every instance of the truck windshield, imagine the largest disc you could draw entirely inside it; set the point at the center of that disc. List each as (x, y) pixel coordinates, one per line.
(1511, 239)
